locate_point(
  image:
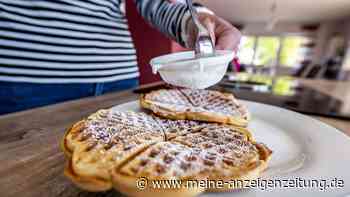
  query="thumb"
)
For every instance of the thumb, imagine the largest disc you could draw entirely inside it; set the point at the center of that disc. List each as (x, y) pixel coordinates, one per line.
(209, 24)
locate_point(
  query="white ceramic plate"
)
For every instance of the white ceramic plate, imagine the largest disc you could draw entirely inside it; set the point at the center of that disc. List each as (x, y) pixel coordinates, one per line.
(305, 152)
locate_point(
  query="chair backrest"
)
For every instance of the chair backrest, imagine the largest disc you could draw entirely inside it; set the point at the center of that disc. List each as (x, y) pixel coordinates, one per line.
(303, 69)
(313, 71)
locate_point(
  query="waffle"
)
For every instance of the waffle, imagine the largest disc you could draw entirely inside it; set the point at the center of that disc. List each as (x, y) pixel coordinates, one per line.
(189, 104)
(114, 149)
(105, 140)
(231, 153)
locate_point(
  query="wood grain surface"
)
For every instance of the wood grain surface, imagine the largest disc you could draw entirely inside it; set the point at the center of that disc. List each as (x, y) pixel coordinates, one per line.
(31, 162)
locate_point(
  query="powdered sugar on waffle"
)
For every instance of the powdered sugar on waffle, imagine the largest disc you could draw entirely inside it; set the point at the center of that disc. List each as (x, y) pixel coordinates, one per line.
(170, 97)
(174, 160)
(110, 125)
(166, 159)
(213, 101)
(233, 145)
(179, 127)
(182, 100)
(195, 150)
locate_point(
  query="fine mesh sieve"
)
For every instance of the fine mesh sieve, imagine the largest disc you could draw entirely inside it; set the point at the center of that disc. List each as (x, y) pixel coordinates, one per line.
(184, 70)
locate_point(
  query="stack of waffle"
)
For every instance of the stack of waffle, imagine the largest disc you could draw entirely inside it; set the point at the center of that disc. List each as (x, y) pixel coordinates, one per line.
(189, 135)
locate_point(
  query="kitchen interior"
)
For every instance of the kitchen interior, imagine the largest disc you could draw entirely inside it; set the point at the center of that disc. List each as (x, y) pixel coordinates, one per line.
(293, 54)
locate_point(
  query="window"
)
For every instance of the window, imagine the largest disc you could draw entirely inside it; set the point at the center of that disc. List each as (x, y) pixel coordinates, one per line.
(266, 51)
(346, 62)
(246, 52)
(273, 50)
(293, 50)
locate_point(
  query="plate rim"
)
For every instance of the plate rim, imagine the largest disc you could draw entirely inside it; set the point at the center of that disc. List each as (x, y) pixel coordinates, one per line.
(326, 128)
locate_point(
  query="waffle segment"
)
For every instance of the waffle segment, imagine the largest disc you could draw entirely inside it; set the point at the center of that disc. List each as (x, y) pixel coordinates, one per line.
(202, 105)
(163, 161)
(231, 152)
(106, 140)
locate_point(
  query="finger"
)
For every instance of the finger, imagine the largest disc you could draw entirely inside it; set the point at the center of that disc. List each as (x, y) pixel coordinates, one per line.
(224, 42)
(227, 36)
(209, 24)
(228, 39)
(225, 45)
(192, 33)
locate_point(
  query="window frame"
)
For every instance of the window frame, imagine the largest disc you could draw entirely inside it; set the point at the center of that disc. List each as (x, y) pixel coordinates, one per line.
(281, 38)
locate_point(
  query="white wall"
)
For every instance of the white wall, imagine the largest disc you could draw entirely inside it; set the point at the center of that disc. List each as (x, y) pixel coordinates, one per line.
(260, 29)
(323, 36)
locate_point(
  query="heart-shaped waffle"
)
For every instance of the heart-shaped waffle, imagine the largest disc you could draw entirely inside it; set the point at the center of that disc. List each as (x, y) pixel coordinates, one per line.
(203, 105)
(115, 149)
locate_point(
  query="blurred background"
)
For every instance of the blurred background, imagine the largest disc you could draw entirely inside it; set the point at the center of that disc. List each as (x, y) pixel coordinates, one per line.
(294, 53)
(285, 37)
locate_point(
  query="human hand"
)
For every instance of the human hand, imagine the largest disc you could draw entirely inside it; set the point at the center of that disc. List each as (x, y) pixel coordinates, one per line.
(224, 35)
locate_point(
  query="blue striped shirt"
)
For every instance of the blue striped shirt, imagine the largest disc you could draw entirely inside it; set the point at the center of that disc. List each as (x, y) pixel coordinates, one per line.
(76, 41)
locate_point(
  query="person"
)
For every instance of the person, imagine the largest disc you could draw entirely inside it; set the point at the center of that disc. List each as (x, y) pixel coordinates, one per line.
(58, 50)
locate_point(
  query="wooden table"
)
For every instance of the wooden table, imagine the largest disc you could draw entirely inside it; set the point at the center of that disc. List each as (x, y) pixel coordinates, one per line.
(31, 163)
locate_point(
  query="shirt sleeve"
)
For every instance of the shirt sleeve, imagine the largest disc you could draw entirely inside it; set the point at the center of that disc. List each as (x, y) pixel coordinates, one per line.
(165, 16)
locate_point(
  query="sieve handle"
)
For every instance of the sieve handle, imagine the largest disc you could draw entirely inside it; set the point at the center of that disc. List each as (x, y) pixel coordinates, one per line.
(156, 67)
